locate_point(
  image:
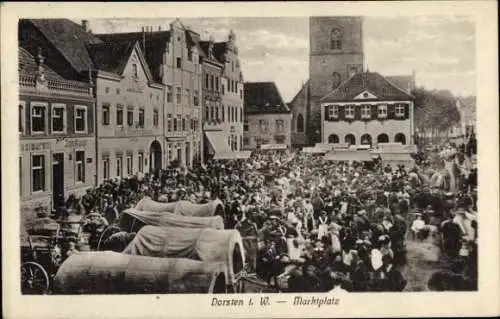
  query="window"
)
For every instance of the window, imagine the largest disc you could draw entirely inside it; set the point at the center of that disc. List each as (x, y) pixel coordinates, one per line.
(300, 123)
(179, 62)
(336, 42)
(141, 118)
(38, 118)
(155, 117)
(118, 165)
(333, 111)
(80, 166)
(175, 124)
(382, 110)
(169, 152)
(196, 98)
(169, 93)
(130, 116)
(223, 89)
(105, 114)
(211, 82)
(183, 124)
(349, 111)
(217, 83)
(207, 80)
(400, 110)
(179, 122)
(105, 165)
(21, 118)
(178, 95)
(38, 173)
(118, 91)
(106, 90)
(245, 141)
(241, 94)
(263, 126)
(58, 118)
(140, 161)
(366, 111)
(134, 68)
(190, 54)
(212, 112)
(280, 139)
(188, 94)
(280, 126)
(217, 113)
(130, 165)
(207, 112)
(223, 115)
(169, 122)
(20, 175)
(80, 119)
(119, 115)
(245, 126)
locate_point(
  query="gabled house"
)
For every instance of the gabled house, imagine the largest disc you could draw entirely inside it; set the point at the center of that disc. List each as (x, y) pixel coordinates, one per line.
(267, 117)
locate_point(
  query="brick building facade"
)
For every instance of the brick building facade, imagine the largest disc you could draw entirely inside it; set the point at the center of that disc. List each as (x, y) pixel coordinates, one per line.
(56, 130)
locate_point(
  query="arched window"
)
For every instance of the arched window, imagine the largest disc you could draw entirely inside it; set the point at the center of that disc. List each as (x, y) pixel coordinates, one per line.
(400, 138)
(366, 139)
(333, 139)
(383, 138)
(336, 39)
(300, 123)
(350, 139)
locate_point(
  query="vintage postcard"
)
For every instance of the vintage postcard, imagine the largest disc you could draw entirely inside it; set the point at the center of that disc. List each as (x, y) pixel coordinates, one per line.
(250, 159)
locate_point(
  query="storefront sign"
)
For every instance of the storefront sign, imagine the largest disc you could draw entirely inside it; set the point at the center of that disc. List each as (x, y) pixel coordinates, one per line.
(76, 143)
(35, 146)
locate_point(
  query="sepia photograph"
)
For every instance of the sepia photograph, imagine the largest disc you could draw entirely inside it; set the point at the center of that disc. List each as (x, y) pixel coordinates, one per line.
(326, 154)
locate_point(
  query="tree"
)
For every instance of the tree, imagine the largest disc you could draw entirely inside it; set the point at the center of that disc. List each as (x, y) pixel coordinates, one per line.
(435, 110)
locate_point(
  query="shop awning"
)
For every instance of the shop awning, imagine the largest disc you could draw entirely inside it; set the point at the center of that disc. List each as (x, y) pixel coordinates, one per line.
(218, 142)
(396, 157)
(340, 156)
(314, 150)
(233, 155)
(273, 147)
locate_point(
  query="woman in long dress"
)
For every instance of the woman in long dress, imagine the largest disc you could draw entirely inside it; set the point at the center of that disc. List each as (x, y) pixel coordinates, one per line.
(323, 227)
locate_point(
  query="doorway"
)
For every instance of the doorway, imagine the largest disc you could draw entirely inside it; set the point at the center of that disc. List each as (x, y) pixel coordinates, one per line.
(155, 159)
(57, 178)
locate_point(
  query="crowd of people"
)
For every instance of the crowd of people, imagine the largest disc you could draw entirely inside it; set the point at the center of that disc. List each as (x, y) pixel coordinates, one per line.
(319, 225)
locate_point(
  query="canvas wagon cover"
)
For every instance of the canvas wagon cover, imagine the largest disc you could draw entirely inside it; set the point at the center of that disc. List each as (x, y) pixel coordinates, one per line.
(111, 272)
(180, 207)
(172, 220)
(208, 245)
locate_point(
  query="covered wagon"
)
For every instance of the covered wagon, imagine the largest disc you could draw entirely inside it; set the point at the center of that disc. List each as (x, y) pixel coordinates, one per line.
(215, 207)
(131, 220)
(116, 273)
(207, 245)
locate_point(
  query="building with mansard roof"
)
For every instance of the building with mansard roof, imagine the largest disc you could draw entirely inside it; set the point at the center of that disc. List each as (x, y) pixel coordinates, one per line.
(56, 135)
(367, 109)
(267, 117)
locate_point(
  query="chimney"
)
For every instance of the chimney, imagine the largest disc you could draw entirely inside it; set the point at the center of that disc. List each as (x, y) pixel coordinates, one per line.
(85, 25)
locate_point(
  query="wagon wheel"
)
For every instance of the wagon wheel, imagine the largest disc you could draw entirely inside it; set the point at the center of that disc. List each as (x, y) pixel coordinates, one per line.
(110, 230)
(34, 279)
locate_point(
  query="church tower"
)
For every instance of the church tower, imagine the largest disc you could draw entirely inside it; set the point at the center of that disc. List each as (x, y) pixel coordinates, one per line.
(335, 53)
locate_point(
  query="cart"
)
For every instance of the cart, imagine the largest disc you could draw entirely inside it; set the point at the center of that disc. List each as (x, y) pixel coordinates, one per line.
(42, 253)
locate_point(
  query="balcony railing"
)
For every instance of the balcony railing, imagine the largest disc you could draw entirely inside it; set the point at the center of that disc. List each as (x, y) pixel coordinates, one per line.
(55, 86)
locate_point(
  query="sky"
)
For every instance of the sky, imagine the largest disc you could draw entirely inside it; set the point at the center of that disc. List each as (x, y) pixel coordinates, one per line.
(440, 49)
